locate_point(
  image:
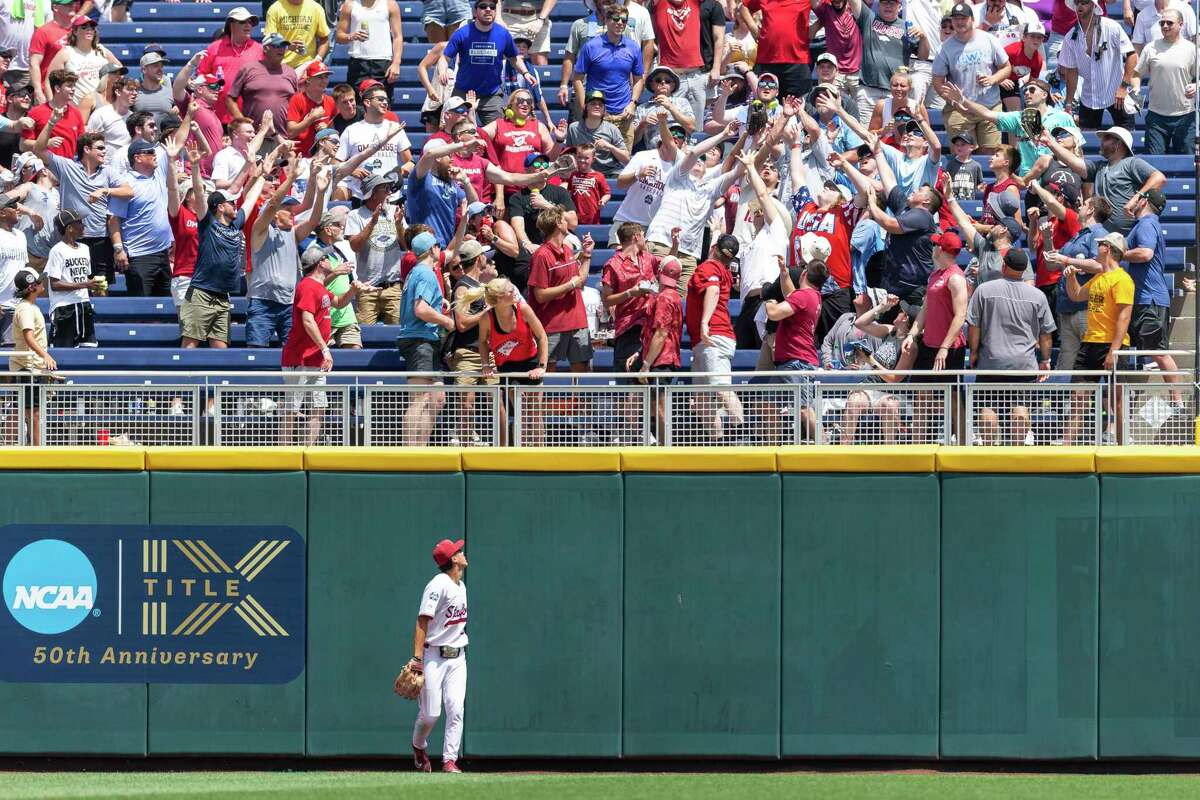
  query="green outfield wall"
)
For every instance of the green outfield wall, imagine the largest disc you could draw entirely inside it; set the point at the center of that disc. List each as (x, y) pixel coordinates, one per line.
(903, 602)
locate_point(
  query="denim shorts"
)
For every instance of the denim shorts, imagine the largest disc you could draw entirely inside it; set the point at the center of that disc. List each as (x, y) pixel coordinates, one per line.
(264, 318)
(445, 12)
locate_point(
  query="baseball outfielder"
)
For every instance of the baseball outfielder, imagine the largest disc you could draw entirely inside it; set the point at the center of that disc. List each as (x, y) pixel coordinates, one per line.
(440, 651)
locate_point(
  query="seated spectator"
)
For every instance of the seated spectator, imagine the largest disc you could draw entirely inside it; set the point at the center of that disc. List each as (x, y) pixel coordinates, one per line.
(69, 275)
(302, 26)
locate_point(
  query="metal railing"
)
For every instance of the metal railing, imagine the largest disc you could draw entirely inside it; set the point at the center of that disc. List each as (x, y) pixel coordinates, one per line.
(601, 409)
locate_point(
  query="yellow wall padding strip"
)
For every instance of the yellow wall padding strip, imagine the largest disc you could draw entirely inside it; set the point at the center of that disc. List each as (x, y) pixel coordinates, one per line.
(534, 459)
(1033, 460)
(225, 459)
(1154, 460)
(881, 458)
(79, 458)
(698, 459)
(383, 459)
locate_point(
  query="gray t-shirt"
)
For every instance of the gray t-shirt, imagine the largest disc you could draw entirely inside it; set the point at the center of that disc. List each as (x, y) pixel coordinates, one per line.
(964, 62)
(991, 261)
(1010, 316)
(1117, 183)
(378, 261)
(886, 46)
(579, 133)
(159, 102)
(44, 203)
(276, 267)
(74, 186)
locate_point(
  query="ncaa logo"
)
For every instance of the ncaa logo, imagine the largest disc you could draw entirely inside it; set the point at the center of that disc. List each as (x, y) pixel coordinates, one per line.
(49, 586)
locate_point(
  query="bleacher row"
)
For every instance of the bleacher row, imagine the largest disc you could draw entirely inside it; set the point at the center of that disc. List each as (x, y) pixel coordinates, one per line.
(142, 333)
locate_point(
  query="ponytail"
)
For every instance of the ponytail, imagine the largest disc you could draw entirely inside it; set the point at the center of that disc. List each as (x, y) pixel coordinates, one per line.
(491, 293)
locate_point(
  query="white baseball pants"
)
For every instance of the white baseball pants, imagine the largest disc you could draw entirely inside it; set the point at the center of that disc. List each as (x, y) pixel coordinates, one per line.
(445, 685)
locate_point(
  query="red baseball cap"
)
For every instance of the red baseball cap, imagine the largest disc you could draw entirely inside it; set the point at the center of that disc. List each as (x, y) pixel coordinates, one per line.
(669, 272)
(315, 68)
(444, 550)
(368, 83)
(949, 242)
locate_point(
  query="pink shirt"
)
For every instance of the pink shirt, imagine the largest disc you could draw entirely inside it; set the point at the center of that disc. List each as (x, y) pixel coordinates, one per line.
(842, 36)
(939, 308)
(224, 60)
(794, 336)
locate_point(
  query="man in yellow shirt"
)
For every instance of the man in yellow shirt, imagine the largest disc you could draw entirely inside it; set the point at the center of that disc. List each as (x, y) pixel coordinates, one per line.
(304, 26)
(1109, 297)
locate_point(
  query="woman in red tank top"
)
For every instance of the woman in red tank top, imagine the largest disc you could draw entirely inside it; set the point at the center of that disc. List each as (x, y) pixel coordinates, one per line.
(513, 342)
(516, 134)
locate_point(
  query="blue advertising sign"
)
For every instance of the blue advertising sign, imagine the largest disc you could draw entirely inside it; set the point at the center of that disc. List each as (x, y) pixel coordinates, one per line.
(152, 604)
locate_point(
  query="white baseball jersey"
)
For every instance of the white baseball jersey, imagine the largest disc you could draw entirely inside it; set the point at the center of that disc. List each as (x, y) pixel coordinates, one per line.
(445, 603)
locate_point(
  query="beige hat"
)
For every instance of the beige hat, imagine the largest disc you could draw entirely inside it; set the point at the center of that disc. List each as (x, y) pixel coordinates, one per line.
(1116, 241)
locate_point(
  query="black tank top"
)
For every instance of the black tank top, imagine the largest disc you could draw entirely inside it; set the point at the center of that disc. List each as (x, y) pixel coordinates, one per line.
(467, 338)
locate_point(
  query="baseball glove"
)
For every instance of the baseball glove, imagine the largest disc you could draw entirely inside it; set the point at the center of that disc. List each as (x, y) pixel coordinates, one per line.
(408, 683)
(1031, 121)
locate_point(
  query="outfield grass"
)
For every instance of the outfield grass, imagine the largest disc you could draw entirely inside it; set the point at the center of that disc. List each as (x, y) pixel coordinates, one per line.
(348, 785)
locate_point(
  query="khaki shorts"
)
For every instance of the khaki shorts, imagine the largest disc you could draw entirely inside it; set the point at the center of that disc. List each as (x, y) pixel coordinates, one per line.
(346, 336)
(379, 305)
(466, 359)
(525, 25)
(305, 376)
(986, 133)
(204, 315)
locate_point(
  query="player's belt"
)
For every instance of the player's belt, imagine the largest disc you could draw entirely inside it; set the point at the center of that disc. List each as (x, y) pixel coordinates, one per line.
(450, 652)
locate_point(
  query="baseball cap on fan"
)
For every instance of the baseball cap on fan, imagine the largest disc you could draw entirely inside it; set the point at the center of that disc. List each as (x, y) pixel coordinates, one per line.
(444, 550)
(948, 242)
(669, 272)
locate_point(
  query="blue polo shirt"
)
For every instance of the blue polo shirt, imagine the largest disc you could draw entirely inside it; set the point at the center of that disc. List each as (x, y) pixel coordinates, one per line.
(1081, 245)
(145, 226)
(1149, 278)
(608, 67)
(434, 202)
(421, 284)
(480, 58)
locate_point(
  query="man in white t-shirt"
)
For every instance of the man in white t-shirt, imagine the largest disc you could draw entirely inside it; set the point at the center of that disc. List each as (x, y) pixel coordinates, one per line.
(643, 179)
(69, 271)
(687, 203)
(244, 143)
(14, 256)
(1147, 29)
(110, 120)
(372, 129)
(769, 230)
(440, 652)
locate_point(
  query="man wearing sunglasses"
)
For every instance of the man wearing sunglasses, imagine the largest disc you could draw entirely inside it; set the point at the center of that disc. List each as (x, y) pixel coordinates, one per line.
(479, 51)
(611, 64)
(1098, 52)
(1169, 64)
(1147, 29)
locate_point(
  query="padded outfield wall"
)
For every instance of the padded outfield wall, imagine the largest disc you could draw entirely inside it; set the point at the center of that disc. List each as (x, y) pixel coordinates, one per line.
(806, 602)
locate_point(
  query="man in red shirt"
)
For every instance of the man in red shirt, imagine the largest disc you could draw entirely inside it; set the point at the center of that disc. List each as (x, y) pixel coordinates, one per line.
(625, 287)
(306, 355)
(711, 332)
(661, 332)
(557, 277)
(677, 26)
(588, 188)
(69, 125)
(1061, 223)
(782, 42)
(311, 109)
(47, 41)
(795, 347)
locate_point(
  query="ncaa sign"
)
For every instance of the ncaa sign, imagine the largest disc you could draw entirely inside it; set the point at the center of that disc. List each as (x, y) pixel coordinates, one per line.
(152, 604)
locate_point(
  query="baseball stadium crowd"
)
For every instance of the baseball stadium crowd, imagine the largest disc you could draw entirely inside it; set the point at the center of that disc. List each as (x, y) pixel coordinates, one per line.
(801, 178)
